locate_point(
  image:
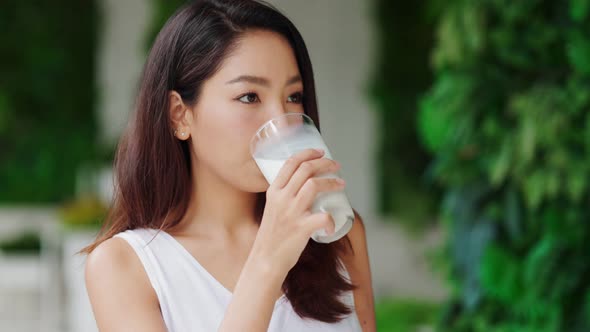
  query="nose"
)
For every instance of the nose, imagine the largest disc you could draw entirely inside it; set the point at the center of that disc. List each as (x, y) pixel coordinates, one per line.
(276, 110)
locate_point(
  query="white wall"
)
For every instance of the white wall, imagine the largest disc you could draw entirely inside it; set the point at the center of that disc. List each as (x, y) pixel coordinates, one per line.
(120, 61)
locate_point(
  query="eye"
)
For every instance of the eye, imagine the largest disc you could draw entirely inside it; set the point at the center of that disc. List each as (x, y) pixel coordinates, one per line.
(249, 98)
(296, 98)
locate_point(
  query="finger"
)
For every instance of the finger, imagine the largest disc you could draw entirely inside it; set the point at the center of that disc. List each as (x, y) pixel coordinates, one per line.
(309, 169)
(318, 221)
(291, 165)
(305, 197)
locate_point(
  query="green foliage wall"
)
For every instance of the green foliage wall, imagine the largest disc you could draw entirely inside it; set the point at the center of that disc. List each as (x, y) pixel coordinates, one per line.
(508, 119)
(47, 97)
(405, 32)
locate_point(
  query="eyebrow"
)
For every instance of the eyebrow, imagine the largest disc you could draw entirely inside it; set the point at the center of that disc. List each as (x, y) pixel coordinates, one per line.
(261, 80)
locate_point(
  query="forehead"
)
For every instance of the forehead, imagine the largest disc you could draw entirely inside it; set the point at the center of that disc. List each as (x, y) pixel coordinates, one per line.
(260, 53)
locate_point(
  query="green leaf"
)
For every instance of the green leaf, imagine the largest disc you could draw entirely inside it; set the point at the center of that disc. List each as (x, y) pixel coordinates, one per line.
(505, 285)
(501, 164)
(578, 52)
(513, 214)
(537, 259)
(553, 183)
(577, 183)
(528, 139)
(435, 125)
(579, 9)
(534, 188)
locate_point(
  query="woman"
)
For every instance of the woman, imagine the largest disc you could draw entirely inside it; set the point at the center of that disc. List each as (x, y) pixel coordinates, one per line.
(196, 239)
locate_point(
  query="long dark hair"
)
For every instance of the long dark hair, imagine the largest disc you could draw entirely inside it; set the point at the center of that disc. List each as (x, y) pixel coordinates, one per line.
(152, 167)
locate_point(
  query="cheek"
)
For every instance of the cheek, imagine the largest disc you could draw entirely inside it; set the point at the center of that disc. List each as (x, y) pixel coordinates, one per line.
(243, 127)
(222, 143)
(223, 133)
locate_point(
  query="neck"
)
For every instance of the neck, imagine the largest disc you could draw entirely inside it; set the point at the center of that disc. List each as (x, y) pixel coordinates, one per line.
(216, 207)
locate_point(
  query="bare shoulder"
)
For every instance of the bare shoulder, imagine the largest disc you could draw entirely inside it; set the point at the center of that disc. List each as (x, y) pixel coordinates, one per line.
(113, 250)
(112, 259)
(119, 289)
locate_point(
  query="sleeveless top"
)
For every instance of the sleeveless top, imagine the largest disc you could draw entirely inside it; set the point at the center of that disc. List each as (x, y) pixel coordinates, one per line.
(191, 299)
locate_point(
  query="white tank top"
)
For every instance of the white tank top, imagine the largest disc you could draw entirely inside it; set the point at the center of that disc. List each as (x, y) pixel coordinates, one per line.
(192, 300)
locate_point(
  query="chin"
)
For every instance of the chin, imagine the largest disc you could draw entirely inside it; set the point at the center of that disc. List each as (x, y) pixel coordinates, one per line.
(255, 180)
(256, 184)
(261, 186)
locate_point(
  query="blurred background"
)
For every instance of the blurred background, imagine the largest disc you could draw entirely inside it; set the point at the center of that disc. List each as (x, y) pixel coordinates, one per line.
(463, 128)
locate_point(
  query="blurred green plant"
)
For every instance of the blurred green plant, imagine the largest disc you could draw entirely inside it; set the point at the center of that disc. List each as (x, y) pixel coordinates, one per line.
(47, 97)
(84, 212)
(26, 243)
(406, 315)
(508, 119)
(405, 33)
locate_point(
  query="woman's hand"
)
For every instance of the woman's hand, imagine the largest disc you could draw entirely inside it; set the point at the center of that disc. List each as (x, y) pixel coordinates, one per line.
(285, 229)
(287, 223)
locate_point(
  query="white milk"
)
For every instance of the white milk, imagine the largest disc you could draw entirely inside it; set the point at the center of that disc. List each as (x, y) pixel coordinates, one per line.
(270, 157)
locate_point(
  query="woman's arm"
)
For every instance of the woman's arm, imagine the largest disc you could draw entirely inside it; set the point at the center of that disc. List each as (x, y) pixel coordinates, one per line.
(253, 299)
(121, 295)
(357, 264)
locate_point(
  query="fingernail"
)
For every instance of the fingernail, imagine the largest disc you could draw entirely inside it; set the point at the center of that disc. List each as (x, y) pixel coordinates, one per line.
(341, 181)
(320, 151)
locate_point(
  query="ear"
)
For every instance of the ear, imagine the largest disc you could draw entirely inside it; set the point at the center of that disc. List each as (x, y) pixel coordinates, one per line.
(180, 116)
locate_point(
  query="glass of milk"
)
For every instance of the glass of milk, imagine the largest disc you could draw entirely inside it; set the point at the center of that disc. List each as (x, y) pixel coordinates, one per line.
(285, 135)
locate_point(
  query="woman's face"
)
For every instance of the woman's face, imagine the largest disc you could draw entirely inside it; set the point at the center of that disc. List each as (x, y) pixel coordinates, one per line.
(258, 81)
